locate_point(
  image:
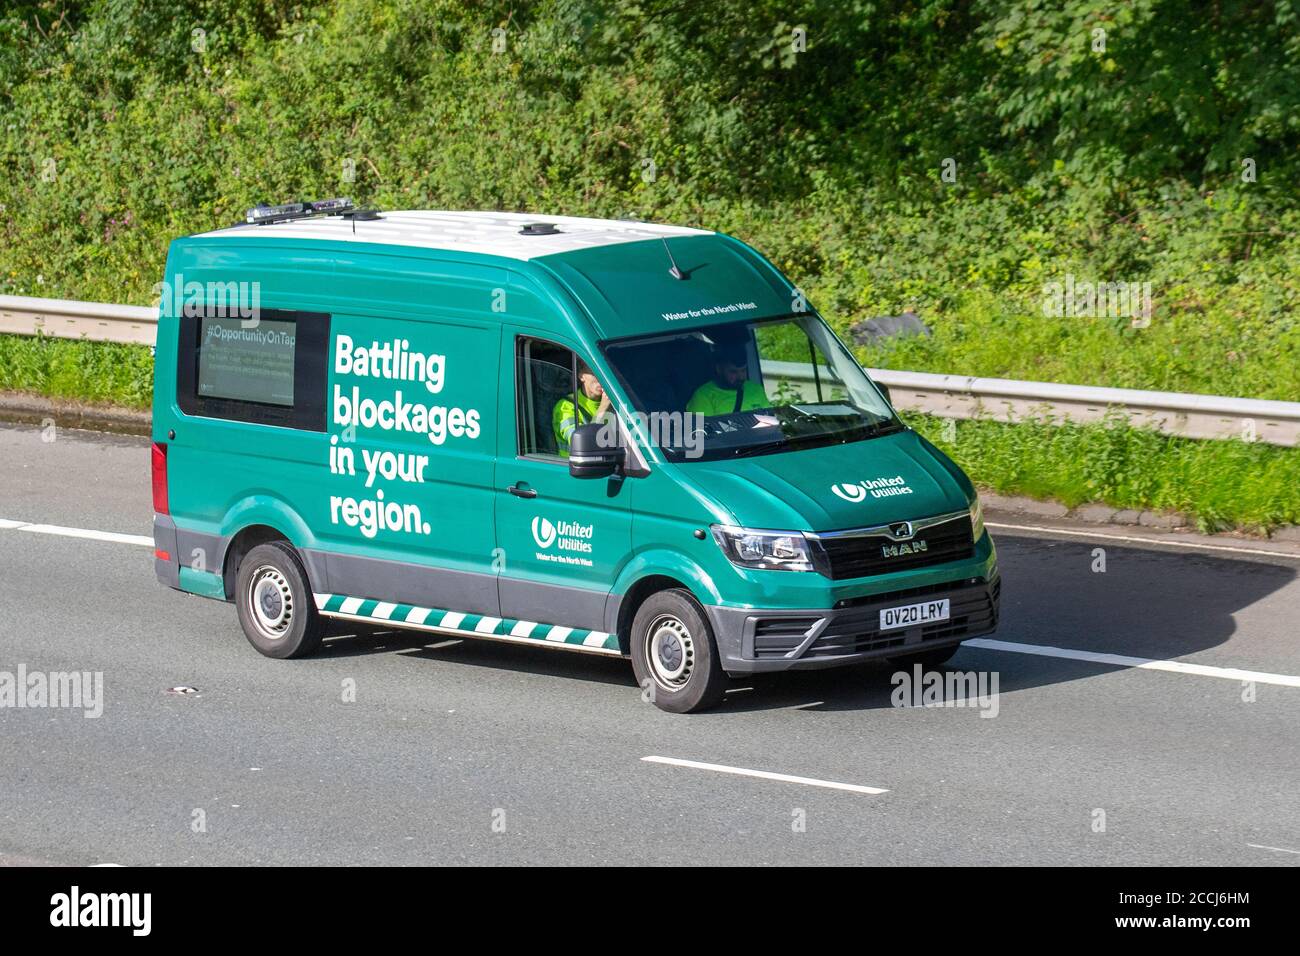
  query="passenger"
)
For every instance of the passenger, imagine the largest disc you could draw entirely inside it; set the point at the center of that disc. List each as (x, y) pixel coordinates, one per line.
(730, 390)
(591, 405)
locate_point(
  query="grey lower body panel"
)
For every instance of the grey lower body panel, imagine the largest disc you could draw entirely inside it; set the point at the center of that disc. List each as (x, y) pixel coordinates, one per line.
(402, 582)
(553, 603)
(164, 540)
(752, 640)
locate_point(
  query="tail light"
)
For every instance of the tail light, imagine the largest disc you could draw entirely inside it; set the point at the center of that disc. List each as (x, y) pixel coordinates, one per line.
(160, 478)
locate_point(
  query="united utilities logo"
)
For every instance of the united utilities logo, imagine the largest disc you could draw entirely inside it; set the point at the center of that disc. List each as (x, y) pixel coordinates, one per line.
(543, 532)
(875, 487)
(563, 535)
(850, 493)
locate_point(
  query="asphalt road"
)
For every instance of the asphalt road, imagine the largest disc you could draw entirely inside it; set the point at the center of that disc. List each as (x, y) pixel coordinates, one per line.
(475, 752)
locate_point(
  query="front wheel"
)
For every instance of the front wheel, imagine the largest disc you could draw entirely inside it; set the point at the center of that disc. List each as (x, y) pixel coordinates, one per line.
(274, 602)
(674, 655)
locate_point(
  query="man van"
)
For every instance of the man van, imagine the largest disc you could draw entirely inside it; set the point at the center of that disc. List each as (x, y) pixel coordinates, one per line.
(608, 437)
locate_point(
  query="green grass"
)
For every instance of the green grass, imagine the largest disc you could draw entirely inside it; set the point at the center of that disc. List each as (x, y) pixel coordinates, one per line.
(94, 372)
(1220, 485)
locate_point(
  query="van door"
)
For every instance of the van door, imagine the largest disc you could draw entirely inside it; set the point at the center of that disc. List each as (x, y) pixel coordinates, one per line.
(409, 516)
(561, 540)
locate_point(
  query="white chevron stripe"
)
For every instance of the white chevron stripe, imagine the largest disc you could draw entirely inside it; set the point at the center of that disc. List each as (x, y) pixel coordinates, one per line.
(523, 632)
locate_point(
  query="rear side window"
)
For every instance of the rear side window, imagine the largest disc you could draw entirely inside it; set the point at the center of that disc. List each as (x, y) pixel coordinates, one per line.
(269, 372)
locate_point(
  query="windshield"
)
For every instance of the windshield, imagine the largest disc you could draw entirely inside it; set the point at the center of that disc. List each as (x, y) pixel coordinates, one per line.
(749, 388)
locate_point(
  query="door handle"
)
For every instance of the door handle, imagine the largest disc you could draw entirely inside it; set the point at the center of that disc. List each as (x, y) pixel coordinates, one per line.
(519, 491)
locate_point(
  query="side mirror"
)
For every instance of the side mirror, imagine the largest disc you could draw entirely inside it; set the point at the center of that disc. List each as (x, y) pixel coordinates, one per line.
(591, 454)
(885, 389)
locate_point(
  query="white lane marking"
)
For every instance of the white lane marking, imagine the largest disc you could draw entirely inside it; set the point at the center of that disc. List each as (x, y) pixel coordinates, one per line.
(8, 524)
(764, 775)
(1275, 849)
(1155, 540)
(1120, 660)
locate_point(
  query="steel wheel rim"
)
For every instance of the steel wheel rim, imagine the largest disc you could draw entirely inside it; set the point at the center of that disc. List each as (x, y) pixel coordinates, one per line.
(270, 602)
(669, 652)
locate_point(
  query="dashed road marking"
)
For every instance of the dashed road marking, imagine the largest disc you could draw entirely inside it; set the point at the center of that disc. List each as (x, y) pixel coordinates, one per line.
(764, 775)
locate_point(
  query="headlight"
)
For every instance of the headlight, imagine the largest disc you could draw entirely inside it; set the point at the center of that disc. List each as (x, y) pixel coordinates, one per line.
(769, 550)
(976, 519)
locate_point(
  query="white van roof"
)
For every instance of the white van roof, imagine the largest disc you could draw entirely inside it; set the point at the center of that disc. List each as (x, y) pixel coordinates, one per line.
(488, 233)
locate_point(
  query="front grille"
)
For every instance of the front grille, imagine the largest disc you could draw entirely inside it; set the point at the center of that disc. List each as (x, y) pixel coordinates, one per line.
(971, 611)
(853, 556)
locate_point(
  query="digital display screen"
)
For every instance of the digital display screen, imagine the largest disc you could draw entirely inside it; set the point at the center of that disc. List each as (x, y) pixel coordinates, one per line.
(252, 364)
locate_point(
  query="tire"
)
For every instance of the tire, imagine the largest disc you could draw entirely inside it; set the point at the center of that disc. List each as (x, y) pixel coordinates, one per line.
(935, 658)
(674, 654)
(275, 604)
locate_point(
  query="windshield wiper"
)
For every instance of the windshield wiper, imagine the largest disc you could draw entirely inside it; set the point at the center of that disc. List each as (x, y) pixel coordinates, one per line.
(744, 451)
(883, 428)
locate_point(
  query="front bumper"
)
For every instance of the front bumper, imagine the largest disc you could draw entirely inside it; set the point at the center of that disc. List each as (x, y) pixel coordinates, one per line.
(752, 641)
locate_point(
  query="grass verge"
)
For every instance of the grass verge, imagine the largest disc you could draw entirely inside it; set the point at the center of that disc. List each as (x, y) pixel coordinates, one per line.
(102, 373)
(1219, 485)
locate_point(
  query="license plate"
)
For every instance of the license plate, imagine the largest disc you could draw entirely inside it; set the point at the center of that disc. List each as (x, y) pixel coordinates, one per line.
(911, 614)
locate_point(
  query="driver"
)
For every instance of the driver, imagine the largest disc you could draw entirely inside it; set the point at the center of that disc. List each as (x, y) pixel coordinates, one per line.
(730, 390)
(588, 405)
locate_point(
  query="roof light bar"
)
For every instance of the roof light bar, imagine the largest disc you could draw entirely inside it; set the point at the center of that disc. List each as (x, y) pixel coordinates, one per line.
(264, 214)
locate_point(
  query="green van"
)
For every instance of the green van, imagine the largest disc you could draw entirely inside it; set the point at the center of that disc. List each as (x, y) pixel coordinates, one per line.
(610, 437)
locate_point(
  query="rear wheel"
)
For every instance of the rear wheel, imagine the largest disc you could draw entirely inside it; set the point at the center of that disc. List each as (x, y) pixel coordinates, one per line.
(274, 602)
(674, 655)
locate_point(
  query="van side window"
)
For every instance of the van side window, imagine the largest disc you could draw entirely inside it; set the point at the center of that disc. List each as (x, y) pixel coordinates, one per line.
(545, 379)
(272, 371)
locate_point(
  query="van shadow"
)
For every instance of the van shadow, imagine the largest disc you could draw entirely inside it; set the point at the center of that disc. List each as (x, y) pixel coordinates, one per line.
(1147, 604)
(349, 639)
